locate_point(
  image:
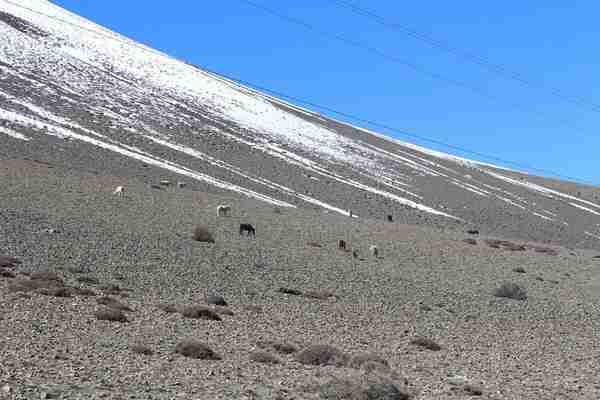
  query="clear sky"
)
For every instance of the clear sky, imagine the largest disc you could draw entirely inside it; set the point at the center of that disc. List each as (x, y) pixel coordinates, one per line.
(553, 44)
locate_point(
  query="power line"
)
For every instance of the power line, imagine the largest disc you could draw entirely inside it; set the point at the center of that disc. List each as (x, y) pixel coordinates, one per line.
(416, 67)
(256, 87)
(480, 60)
(259, 88)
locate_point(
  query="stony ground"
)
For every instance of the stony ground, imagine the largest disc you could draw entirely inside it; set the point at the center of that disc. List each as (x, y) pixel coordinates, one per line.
(428, 283)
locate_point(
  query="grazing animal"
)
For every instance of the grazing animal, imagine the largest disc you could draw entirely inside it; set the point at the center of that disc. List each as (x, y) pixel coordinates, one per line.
(119, 191)
(181, 185)
(473, 232)
(374, 251)
(341, 244)
(390, 218)
(249, 229)
(355, 253)
(223, 210)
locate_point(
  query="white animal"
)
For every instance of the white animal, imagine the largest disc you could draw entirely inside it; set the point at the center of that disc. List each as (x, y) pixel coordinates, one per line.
(223, 210)
(374, 251)
(119, 191)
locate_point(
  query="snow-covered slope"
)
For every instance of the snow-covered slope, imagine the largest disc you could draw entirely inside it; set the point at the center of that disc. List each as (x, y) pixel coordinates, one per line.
(70, 87)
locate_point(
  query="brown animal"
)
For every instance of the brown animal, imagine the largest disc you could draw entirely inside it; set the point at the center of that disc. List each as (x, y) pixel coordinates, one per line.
(341, 245)
(248, 229)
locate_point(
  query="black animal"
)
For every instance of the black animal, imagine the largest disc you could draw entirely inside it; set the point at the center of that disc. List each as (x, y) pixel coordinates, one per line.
(249, 229)
(390, 218)
(342, 244)
(473, 232)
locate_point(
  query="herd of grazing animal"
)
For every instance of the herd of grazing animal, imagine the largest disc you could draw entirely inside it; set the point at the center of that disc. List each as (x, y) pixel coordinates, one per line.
(224, 210)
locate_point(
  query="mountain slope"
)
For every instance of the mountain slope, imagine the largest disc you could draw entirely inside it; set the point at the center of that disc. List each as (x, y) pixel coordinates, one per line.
(77, 94)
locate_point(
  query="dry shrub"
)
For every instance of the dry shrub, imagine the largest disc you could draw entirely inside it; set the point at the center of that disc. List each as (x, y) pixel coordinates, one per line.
(356, 390)
(216, 299)
(369, 362)
(7, 274)
(202, 234)
(470, 241)
(83, 292)
(280, 347)
(319, 294)
(28, 285)
(546, 250)
(222, 310)
(293, 292)
(426, 343)
(88, 280)
(200, 312)
(55, 292)
(46, 276)
(168, 308)
(194, 349)
(142, 349)
(10, 262)
(322, 355)
(511, 291)
(505, 244)
(113, 303)
(111, 314)
(264, 357)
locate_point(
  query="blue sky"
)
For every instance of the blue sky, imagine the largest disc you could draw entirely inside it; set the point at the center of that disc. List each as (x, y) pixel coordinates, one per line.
(553, 45)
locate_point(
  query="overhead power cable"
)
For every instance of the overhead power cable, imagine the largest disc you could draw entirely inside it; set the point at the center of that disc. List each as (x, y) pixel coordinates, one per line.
(464, 55)
(258, 88)
(415, 67)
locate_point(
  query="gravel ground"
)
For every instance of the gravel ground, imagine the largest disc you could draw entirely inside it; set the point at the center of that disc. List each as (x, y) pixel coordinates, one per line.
(428, 283)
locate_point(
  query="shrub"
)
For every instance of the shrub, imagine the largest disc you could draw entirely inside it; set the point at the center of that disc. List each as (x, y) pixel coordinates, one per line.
(46, 276)
(264, 357)
(319, 294)
(369, 362)
(322, 355)
(216, 299)
(142, 349)
(280, 347)
(194, 349)
(426, 343)
(111, 314)
(293, 292)
(511, 291)
(199, 312)
(113, 303)
(168, 308)
(202, 234)
(519, 270)
(89, 280)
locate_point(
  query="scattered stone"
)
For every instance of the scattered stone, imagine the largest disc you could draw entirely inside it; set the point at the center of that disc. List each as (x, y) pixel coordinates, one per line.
(426, 343)
(194, 349)
(111, 314)
(322, 355)
(200, 312)
(216, 299)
